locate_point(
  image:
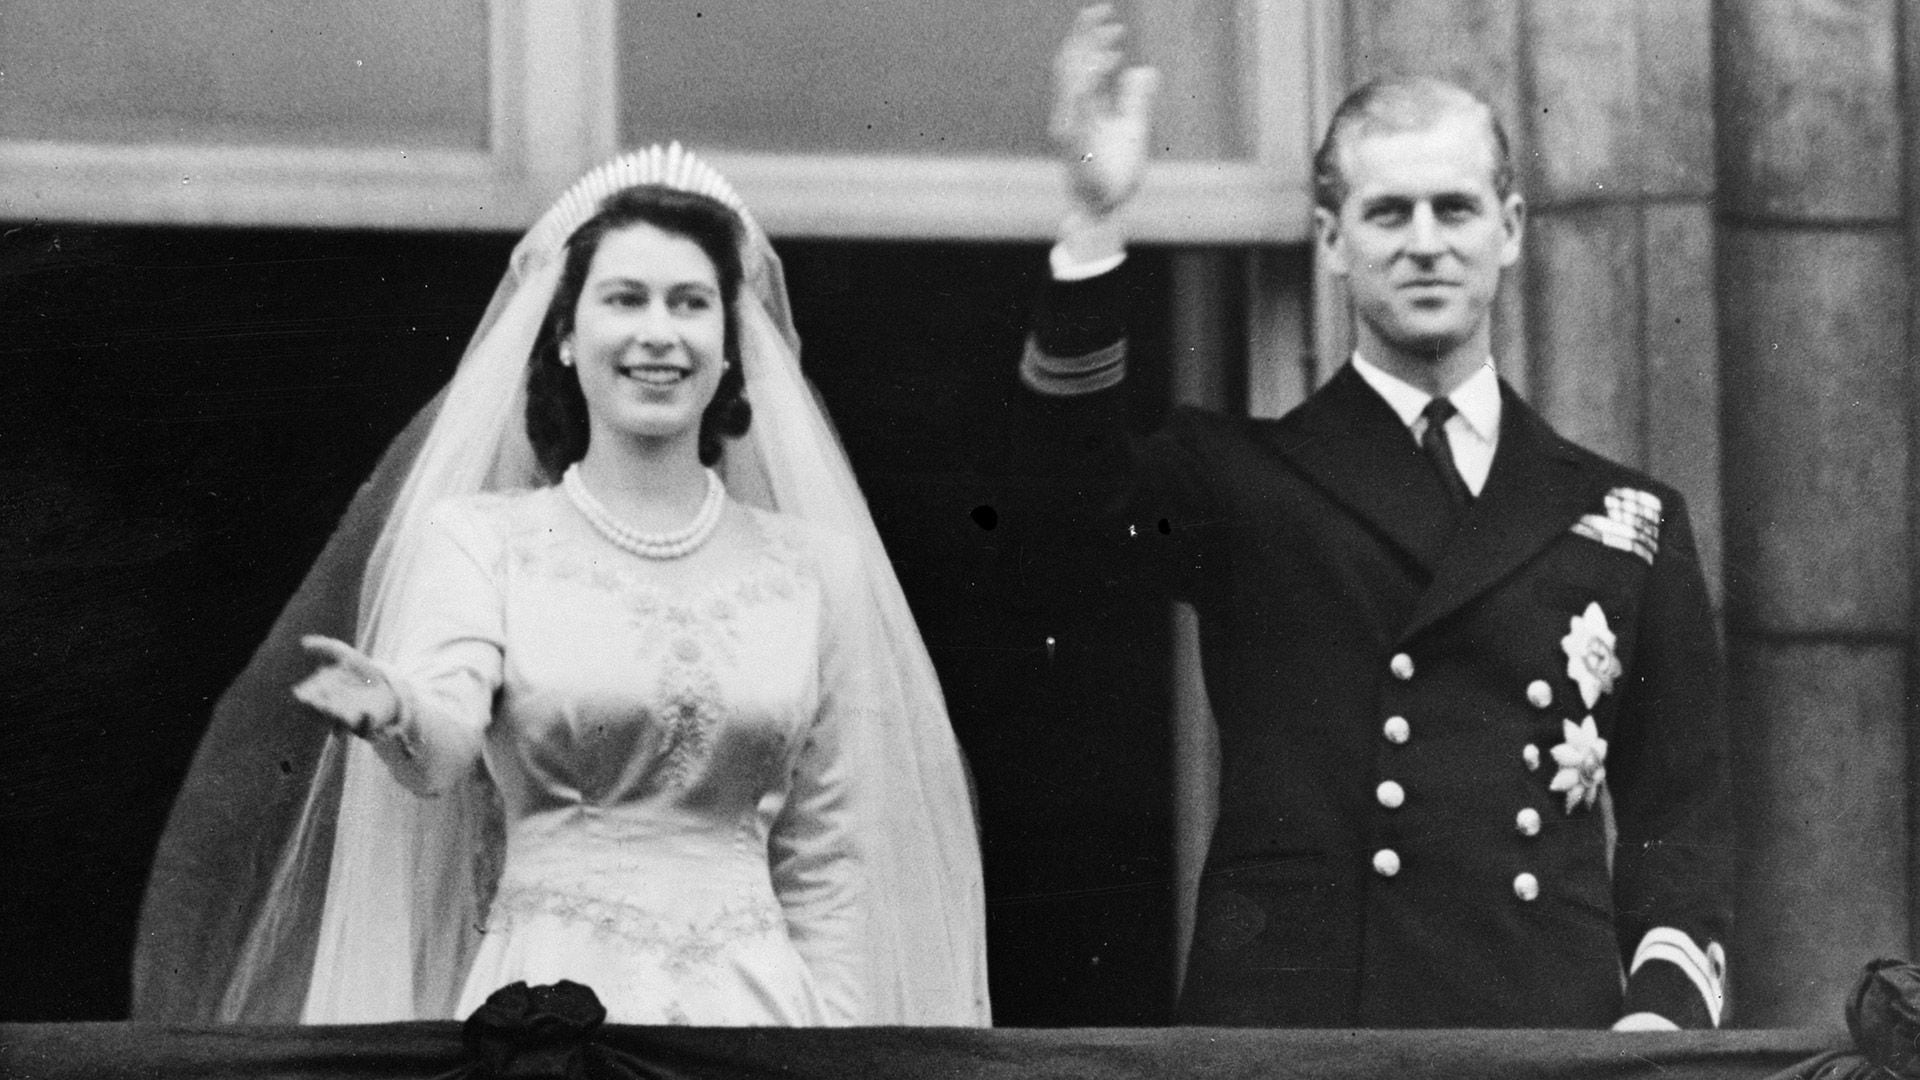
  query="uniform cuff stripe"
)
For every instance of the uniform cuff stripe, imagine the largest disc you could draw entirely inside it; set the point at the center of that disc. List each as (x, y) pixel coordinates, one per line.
(1065, 376)
(1705, 969)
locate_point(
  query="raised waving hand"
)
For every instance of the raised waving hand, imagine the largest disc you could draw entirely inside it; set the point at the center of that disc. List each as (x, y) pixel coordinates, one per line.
(1102, 111)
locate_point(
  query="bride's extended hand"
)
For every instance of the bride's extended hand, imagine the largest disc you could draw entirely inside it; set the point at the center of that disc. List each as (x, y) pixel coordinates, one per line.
(347, 687)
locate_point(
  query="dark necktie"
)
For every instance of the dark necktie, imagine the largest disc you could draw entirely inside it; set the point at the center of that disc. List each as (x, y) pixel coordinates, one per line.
(1440, 453)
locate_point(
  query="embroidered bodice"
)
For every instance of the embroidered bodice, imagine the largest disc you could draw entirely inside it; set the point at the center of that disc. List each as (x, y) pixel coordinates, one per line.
(664, 749)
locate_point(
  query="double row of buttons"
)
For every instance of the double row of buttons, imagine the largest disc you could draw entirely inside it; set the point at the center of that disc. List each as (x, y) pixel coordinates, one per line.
(1391, 795)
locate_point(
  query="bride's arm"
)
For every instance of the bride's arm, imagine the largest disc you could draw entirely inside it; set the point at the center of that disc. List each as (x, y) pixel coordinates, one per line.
(819, 872)
(425, 708)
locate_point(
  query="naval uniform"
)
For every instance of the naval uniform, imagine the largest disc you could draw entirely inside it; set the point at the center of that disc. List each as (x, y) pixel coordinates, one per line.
(1473, 758)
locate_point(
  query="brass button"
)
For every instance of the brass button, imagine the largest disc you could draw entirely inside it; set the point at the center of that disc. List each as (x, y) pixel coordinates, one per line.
(1397, 730)
(1528, 822)
(1390, 794)
(1531, 755)
(1526, 887)
(1402, 666)
(1539, 694)
(1386, 862)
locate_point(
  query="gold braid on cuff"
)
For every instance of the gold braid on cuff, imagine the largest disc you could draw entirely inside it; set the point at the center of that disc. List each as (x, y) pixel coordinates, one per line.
(1067, 376)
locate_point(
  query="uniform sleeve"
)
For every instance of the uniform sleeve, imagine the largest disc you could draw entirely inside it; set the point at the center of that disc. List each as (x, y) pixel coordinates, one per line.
(443, 653)
(1151, 500)
(815, 848)
(1078, 344)
(1669, 779)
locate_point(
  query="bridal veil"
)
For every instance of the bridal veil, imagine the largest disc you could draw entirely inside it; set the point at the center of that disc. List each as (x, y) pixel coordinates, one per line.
(297, 881)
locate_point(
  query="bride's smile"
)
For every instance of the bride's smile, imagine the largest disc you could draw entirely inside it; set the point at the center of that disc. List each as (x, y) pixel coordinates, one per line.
(649, 335)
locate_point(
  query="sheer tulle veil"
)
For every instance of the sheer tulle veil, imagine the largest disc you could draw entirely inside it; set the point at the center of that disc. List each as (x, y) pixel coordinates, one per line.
(296, 881)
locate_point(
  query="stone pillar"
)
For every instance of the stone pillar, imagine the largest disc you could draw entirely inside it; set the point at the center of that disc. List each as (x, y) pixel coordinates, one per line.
(1616, 101)
(1819, 423)
(1910, 108)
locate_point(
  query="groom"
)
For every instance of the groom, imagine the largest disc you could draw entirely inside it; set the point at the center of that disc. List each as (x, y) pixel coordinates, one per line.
(1473, 753)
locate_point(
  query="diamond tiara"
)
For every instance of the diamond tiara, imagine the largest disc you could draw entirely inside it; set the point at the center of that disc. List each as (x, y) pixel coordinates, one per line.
(671, 166)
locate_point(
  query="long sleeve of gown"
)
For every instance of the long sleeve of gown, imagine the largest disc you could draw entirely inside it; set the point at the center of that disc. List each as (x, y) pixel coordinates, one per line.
(814, 850)
(443, 652)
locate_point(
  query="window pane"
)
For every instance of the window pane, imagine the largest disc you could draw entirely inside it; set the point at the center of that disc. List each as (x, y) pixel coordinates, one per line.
(344, 73)
(860, 76)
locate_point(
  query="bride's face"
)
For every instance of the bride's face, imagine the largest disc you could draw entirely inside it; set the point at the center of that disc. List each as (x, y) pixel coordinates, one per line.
(649, 335)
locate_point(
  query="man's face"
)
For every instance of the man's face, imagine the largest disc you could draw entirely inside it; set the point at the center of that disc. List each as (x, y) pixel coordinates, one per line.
(1422, 238)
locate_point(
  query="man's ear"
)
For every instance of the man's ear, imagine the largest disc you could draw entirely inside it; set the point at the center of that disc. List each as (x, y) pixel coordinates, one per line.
(1331, 242)
(1513, 220)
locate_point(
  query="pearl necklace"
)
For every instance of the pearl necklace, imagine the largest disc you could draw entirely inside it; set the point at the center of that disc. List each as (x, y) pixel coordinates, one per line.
(670, 545)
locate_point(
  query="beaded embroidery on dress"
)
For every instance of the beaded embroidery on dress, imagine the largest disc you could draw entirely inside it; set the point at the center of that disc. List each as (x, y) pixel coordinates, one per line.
(647, 744)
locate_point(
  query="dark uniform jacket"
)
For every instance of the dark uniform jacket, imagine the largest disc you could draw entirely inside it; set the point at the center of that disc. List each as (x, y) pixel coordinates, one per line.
(1417, 826)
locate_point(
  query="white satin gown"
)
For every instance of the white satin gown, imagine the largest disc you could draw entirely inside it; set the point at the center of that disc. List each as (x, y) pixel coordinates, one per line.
(666, 751)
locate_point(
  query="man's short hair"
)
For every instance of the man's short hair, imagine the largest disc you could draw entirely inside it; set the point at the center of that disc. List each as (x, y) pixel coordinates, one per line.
(1399, 103)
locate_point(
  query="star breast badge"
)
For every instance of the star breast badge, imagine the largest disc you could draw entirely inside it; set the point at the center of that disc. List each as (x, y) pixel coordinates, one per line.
(1631, 523)
(1582, 760)
(1591, 661)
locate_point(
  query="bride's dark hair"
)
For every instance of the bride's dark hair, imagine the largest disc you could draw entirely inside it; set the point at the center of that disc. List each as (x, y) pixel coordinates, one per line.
(556, 409)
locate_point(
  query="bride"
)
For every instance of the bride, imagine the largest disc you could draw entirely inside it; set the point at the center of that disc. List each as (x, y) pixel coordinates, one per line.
(633, 697)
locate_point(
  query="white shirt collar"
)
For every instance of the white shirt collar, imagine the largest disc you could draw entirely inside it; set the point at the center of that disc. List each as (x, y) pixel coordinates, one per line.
(1478, 399)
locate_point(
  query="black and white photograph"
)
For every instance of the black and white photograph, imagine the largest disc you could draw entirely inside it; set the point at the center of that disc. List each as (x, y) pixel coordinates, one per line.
(1015, 538)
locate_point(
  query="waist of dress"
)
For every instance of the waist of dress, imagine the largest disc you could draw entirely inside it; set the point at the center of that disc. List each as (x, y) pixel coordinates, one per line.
(666, 885)
(610, 844)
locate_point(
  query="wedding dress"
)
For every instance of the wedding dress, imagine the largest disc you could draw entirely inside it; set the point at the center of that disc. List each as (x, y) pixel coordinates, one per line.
(667, 755)
(720, 789)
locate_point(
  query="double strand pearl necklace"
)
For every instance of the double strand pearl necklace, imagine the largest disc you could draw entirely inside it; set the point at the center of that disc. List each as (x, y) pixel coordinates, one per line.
(671, 545)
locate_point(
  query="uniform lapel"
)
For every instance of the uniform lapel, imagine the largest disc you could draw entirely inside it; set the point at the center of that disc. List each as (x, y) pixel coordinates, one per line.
(1349, 442)
(1536, 490)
